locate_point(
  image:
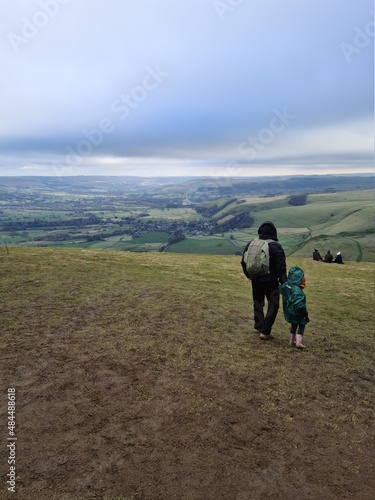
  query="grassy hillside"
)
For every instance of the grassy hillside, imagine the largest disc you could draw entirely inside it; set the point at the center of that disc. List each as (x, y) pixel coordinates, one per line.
(336, 221)
(138, 376)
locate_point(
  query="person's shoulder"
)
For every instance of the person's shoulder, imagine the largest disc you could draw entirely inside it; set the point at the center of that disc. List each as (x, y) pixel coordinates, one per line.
(247, 246)
(275, 245)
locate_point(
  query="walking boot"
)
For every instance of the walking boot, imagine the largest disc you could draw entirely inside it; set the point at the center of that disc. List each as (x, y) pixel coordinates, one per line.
(292, 339)
(264, 336)
(299, 344)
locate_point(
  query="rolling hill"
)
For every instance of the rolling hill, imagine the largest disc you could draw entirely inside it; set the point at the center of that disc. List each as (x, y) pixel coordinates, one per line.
(136, 214)
(337, 221)
(138, 376)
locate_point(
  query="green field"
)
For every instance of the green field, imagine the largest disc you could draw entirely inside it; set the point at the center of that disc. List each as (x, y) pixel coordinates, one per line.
(342, 221)
(205, 245)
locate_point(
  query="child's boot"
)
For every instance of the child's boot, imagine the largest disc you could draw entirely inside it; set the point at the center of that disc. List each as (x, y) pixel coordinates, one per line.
(292, 339)
(299, 343)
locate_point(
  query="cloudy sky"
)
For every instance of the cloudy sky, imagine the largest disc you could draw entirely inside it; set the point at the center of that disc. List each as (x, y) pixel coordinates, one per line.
(186, 87)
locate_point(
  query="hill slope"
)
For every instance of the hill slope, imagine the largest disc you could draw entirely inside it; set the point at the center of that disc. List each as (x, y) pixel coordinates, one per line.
(337, 221)
(138, 376)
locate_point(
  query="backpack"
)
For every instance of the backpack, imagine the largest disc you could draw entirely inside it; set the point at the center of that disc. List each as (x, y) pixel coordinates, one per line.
(257, 258)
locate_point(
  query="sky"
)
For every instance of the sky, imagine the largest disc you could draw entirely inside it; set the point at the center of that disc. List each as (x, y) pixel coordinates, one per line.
(186, 87)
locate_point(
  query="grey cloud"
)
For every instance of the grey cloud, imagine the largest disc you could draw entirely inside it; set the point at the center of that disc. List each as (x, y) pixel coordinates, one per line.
(224, 77)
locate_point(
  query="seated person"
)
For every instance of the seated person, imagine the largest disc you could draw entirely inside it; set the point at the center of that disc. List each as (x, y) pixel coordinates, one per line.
(328, 257)
(338, 258)
(316, 255)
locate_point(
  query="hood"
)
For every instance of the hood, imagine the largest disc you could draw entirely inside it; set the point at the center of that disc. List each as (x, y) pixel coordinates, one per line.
(296, 275)
(267, 231)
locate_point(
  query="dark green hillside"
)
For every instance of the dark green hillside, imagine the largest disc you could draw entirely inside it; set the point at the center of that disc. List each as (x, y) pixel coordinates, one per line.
(209, 188)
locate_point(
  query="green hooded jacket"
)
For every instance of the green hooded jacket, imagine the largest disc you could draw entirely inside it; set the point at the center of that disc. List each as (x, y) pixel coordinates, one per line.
(294, 300)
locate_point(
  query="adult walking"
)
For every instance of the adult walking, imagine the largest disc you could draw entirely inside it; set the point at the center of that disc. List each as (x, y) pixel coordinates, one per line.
(267, 286)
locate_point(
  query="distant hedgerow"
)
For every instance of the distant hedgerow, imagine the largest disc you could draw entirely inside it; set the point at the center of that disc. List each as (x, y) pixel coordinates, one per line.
(298, 200)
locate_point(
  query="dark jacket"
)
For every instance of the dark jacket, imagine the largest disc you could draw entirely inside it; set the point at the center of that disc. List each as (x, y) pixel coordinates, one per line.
(294, 300)
(338, 259)
(267, 231)
(316, 255)
(328, 257)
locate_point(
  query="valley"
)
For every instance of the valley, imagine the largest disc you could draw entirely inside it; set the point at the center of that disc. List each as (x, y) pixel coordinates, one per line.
(188, 215)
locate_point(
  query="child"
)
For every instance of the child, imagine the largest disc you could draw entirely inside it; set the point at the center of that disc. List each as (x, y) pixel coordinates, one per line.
(294, 304)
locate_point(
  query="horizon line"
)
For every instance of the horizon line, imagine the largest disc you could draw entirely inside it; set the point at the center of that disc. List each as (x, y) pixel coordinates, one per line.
(193, 176)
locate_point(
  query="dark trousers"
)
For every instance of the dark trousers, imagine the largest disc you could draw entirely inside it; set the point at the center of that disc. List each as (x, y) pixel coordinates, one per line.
(293, 329)
(261, 291)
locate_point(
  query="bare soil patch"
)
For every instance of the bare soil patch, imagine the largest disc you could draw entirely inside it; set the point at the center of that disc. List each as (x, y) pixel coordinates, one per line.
(90, 425)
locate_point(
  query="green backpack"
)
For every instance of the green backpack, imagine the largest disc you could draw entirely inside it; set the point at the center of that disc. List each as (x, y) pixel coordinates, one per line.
(257, 258)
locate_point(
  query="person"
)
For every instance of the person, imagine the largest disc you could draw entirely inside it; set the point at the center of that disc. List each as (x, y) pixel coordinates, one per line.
(267, 286)
(294, 305)
(338, 258)
(328, 257)
(316, 255)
